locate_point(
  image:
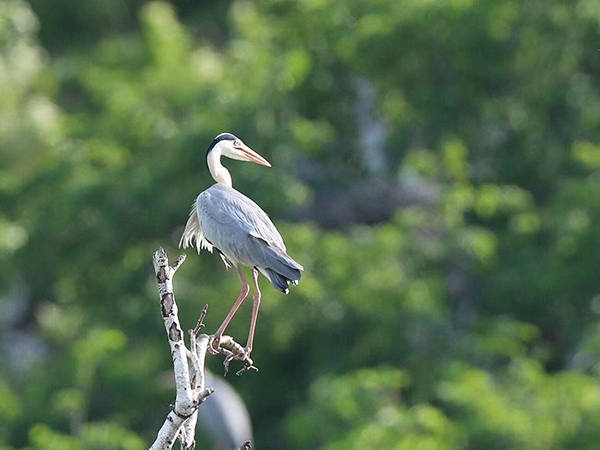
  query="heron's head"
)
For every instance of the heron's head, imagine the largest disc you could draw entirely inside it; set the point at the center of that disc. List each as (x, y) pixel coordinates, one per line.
(232, 147)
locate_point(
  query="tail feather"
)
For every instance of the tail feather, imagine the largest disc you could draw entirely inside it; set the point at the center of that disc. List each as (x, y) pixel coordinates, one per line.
(277, 261)
(280, 268)
(282, 263)
(280, 282)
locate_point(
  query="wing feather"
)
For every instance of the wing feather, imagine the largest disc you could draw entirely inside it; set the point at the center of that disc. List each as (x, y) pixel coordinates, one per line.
(192, 234)
(229, 221)
(224, 212)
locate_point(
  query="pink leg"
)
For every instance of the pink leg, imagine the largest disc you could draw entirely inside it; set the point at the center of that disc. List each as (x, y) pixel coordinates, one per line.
(255, 307)
(234, 308)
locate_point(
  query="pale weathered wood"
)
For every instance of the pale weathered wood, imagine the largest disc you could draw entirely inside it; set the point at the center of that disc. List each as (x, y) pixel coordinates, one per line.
(188, 364)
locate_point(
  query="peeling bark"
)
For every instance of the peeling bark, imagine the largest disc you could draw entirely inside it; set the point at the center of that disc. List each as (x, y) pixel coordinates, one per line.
(188, 364)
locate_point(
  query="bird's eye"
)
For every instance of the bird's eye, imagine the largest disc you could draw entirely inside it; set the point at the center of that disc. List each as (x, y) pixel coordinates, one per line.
(237, 143)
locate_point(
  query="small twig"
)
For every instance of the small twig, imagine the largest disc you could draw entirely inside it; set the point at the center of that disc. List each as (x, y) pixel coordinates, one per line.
(205, 394)
(178, 263)
(194, 360)
(200, 323)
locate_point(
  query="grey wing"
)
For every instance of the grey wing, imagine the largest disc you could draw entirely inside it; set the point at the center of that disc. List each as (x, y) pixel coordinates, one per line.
(223, 213)
(226, 216)
(242, 231)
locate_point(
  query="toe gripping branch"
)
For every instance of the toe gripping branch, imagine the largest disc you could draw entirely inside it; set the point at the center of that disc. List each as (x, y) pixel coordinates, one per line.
(234, 351)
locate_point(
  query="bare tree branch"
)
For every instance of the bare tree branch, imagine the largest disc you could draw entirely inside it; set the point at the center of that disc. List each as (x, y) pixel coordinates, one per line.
(186, 401)
(188, 364)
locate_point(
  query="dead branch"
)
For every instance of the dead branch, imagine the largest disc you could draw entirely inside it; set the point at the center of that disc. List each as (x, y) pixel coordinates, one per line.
(188, 364)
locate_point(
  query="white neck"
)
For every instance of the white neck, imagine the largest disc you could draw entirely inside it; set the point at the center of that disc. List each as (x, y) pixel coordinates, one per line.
(217, 170)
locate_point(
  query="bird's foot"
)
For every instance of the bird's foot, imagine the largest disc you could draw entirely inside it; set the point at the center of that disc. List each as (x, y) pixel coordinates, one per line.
(248, 364)
(247, 368)
(234, 351)
(214, 343)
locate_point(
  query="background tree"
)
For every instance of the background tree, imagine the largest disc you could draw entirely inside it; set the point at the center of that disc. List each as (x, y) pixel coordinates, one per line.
(436, 171)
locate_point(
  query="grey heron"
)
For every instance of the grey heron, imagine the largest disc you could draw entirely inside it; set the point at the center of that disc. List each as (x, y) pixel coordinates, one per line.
(226, 220)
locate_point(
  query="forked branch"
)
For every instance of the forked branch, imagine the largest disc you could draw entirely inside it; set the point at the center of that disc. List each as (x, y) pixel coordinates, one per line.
(188, 364)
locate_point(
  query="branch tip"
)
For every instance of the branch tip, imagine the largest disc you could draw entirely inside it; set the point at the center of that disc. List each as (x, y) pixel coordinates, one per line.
(200, 323)
(178, 262)
(160, 253)
(207, 393)
(160, 258)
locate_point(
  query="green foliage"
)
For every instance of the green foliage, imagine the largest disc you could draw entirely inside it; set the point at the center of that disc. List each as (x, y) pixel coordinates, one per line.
(95, 436)
(523, 407)
(364, 410)
(469, 319)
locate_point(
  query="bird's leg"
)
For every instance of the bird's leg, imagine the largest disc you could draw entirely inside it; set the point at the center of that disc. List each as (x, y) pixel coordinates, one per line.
(255, 307)
(214, 344)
